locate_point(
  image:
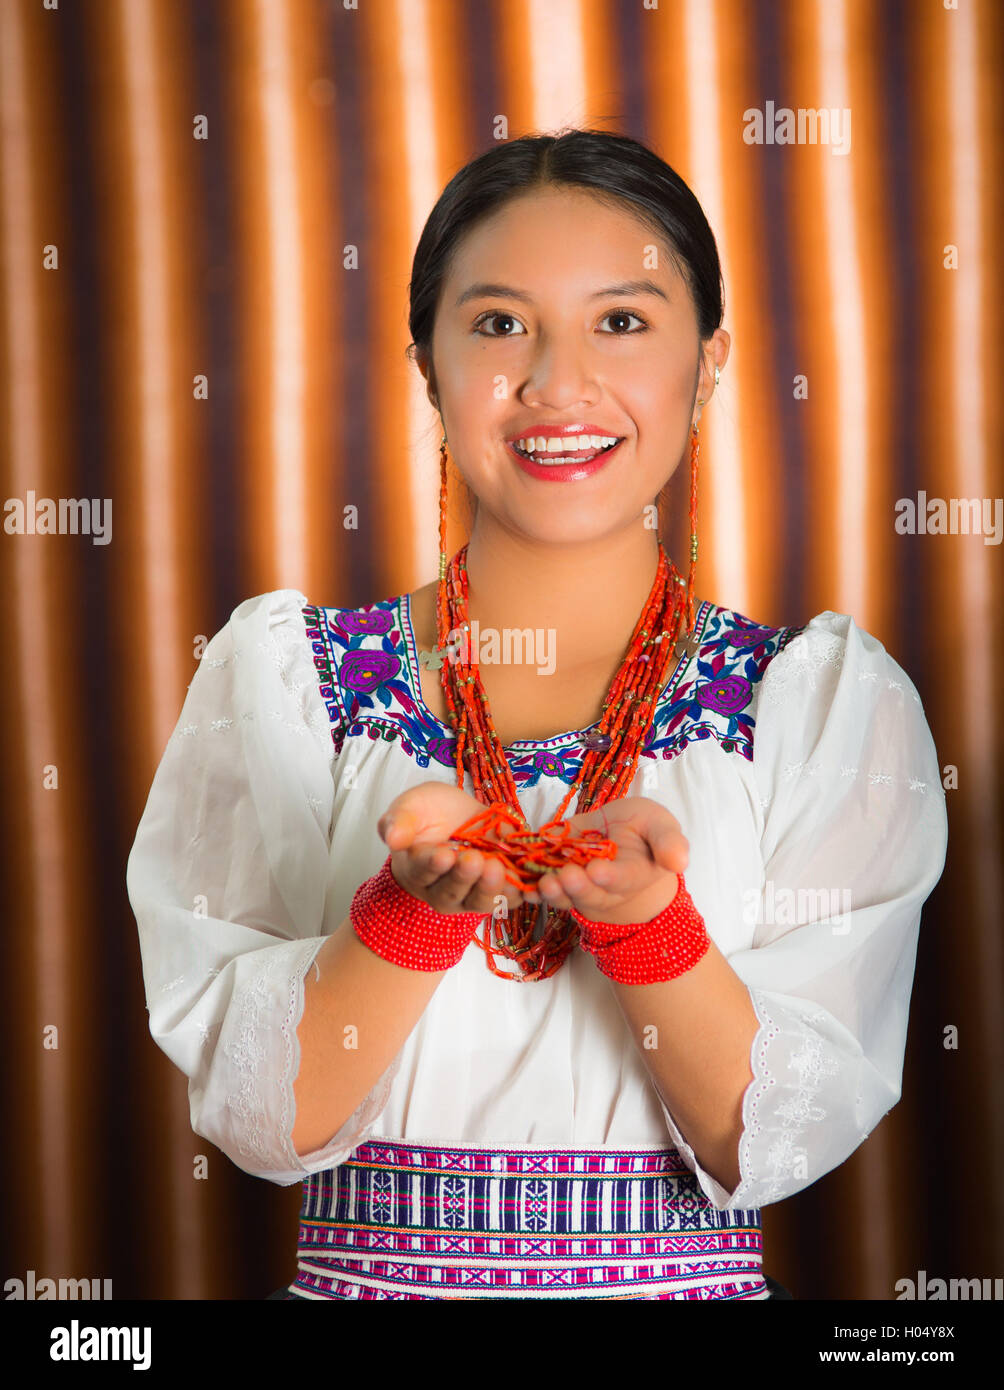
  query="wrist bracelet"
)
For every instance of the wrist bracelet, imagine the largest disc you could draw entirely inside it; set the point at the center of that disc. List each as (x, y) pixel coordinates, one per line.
(405, 930)
(643, 953)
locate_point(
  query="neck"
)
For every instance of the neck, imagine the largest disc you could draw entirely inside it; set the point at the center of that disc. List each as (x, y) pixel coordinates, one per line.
(590, 593)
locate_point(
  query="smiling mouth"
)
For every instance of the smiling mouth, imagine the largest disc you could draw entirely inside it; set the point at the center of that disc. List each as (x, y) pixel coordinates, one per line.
(572, 449)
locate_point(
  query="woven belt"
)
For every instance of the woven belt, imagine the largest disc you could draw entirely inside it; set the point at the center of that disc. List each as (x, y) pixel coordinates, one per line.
(402, 1220)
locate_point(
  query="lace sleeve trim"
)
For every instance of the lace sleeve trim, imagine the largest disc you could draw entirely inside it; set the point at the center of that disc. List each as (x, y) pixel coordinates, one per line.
(249, 1054)
(772, 1159)
(264, 1137)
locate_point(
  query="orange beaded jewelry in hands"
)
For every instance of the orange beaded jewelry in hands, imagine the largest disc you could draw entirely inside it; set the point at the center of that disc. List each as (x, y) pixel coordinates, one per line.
(608, 766)
(527, 854)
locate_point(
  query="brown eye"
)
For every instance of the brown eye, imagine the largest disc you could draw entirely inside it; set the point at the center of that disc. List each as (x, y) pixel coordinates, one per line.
(492, 315)
(626, 314)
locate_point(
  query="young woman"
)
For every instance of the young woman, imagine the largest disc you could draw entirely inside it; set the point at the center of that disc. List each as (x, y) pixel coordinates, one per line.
(583, 1083)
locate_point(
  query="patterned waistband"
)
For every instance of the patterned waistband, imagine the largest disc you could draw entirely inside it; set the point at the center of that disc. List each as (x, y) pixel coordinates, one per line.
(402, 1220)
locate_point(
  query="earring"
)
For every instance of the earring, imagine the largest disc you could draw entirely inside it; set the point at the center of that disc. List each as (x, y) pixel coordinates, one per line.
(691, 573)
(687, 644)
(694, 447)
(433, 660)
(442, 508)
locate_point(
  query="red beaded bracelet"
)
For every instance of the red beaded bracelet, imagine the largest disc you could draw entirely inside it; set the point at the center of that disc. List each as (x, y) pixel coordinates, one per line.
(645, 953)
(405, 930)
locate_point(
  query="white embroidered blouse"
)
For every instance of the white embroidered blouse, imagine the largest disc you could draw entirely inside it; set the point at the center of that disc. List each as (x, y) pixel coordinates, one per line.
(801, 769)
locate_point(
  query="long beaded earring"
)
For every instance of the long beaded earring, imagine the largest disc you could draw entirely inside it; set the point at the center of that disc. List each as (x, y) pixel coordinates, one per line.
(433, 660)
(695, 445)
(442, 508)
(689, 644)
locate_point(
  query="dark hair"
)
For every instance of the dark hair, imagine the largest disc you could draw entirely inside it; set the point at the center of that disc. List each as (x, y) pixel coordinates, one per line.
(613, 168)
(610, 166)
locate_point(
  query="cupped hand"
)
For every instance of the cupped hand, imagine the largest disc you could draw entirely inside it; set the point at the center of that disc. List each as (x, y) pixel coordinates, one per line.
(640, 882)
(416, 827)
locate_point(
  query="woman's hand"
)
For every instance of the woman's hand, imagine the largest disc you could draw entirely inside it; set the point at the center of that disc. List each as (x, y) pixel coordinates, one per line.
(415, 828)
(640, 882)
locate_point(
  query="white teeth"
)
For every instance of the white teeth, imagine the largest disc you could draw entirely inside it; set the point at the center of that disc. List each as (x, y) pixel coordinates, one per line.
(568, 444)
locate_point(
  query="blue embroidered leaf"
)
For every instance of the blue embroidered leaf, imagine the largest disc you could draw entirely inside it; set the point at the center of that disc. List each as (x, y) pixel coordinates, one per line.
(388, 645)
(706, 669)
(383, 696)
(752, 669)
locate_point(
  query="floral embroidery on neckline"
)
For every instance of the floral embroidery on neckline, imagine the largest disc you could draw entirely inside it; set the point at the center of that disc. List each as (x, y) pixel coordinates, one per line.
(367, 666)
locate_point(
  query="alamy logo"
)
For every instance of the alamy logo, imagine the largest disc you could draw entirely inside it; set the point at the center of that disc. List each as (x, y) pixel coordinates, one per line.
(794, 906)
(807, 126)
(934, 1288)
(63, 516)
(492, 646)
(951, 516)
(31, 1288)
(76, 1343)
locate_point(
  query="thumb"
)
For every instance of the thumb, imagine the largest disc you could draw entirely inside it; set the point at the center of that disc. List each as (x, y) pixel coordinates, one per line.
(396, 827)
(669, 846)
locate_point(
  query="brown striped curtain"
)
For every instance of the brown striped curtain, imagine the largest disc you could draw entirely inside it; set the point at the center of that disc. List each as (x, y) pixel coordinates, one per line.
(208, 210)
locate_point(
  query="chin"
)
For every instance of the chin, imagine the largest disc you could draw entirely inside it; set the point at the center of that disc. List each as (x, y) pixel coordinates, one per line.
(549, 527)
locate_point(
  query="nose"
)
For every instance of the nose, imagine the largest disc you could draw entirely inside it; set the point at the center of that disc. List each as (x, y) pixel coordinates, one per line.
(559, 377)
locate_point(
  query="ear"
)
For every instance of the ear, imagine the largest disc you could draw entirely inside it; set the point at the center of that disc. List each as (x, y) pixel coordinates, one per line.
(424, 364)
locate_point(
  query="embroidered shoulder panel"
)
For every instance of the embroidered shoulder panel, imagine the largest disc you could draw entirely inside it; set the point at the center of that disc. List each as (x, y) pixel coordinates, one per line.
(368, 671)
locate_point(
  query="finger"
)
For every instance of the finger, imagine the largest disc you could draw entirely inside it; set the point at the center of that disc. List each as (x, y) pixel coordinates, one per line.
(397, 828)
(586, 894)
(426, 864)
(448, 894)
(609, 881)
(553, 893)
(670, 847)
(488, 889)
(661, 832)
(571, 879)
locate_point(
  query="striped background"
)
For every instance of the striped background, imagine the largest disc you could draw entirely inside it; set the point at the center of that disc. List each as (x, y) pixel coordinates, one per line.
(333, 127)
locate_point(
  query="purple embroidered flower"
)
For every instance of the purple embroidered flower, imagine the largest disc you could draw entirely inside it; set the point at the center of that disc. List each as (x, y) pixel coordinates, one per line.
(362, 670)
(725, 696)
(444, 750)
(746, 637)
(377, 620)
(549, 763)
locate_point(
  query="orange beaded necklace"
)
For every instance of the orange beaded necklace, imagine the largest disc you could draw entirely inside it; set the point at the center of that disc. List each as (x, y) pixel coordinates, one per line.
(539, 937)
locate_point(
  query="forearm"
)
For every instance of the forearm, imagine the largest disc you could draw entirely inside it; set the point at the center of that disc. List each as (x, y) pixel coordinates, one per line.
(695, 1035)
(358, 1011)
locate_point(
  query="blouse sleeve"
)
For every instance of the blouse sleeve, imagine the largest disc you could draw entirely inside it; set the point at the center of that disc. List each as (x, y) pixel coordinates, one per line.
(854, 838)
(228, 878)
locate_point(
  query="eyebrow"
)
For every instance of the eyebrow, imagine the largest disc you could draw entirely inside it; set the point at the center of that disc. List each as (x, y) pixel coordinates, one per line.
(484, 289)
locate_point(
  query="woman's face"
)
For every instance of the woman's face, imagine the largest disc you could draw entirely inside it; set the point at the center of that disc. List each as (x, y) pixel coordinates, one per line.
(542, 337)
